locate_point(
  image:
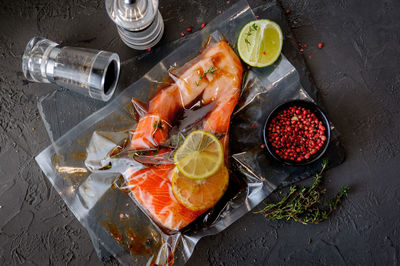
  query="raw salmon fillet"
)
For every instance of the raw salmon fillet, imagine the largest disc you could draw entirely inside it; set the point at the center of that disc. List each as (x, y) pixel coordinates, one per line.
(213, 77)
(152, 188)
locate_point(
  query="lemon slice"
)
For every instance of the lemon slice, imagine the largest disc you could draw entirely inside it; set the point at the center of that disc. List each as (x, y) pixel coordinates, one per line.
(200, 156)
(199, 195)
(260, 42)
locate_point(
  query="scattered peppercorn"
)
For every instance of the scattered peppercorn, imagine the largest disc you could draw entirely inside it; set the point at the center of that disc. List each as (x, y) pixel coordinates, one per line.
(182, 34)
(189, 29)
(287, 11)
(219, 11)
(320, 45)
(301, 50)
(296, 134)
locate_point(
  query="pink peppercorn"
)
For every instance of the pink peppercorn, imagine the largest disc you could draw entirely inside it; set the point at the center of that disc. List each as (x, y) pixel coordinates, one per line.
(296, 134)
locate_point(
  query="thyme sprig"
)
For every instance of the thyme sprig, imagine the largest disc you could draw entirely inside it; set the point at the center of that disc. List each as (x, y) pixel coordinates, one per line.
(304, 205)
(252, 28)
(157, 125)
(211, 70)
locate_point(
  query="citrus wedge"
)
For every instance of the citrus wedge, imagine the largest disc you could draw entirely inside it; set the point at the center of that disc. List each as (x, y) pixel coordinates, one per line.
(260, 42)
(200, 156)
(198, 195)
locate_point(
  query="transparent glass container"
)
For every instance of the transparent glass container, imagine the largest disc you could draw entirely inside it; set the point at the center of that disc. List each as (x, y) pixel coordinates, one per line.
(89, 72)
(139, 23)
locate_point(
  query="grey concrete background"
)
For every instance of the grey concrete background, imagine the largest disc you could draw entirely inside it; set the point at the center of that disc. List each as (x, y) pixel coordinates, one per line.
(356, 72)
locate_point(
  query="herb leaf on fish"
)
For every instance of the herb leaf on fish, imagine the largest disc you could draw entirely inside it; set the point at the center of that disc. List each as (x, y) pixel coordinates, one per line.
(157, 124)
(211, 70)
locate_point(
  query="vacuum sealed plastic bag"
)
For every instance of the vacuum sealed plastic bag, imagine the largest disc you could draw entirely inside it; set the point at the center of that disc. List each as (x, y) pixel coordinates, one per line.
(116, 169)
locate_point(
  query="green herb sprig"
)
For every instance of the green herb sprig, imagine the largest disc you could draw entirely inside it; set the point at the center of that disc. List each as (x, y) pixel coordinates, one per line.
(158, 124)
(304, 205)
(211, 70)
(252, 28)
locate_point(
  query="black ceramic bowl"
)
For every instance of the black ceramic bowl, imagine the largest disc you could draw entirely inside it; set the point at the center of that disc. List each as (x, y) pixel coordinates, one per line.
(313, 109)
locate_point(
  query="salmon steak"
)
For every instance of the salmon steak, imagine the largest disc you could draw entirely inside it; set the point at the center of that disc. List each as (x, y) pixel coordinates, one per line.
(212, 79)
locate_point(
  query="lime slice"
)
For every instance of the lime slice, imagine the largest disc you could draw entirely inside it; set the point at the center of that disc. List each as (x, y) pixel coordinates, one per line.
(200, 156)
(260, 42)
(198, 195)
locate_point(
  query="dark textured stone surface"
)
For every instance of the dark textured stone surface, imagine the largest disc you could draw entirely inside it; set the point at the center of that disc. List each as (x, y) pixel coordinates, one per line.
(356, 72)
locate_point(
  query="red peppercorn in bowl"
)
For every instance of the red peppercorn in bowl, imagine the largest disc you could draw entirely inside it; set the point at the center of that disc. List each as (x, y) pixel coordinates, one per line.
(297, 133)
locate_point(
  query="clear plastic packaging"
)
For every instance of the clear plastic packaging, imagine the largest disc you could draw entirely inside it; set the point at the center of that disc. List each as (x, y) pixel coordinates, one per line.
(91, 174)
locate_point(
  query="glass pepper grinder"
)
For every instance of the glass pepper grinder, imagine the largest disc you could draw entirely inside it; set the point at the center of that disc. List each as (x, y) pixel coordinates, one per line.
(93, 73)
(139, 22)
